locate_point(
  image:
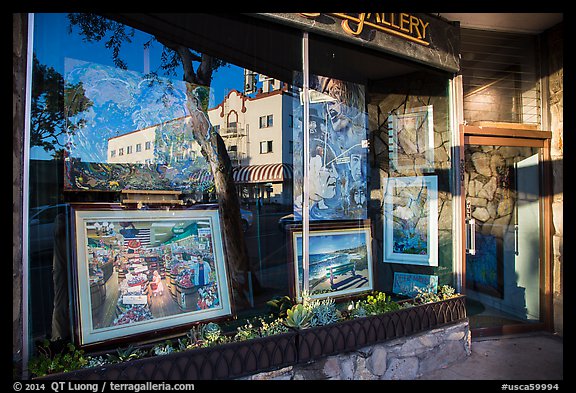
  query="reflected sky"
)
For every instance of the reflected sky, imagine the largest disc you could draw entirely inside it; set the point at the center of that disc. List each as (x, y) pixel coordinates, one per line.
(58, 47)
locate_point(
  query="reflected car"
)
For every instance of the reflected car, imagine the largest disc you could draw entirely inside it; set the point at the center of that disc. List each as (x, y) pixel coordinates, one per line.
(247, 219)
(42, 225)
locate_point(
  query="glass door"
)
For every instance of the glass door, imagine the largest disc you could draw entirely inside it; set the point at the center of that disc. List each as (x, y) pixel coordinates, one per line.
(504, 236)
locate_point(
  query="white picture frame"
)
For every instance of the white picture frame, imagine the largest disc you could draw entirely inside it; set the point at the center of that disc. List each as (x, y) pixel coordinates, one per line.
(411, 220)
(137, 242)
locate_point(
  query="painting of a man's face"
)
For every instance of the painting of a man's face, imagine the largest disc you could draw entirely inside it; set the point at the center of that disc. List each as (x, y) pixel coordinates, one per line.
(356, 166)
(323, 183)
(327, 180)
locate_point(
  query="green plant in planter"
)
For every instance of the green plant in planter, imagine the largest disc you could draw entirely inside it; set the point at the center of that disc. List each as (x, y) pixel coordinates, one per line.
(379, 303)
(163, 348)
(96, 361)
(205, 335)
(51, 359)
(446, 292)
(277, 326)
(211, 332)
(323, 311)
(298, 317)
(260, 328)
(279, 306)
(356, 309)
(125, 354)
(428, 296)
(246, 332)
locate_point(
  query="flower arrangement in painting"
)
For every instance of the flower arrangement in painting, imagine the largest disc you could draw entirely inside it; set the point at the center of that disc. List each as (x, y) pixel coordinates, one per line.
(208, 297)
(133, 314)
(136, 280)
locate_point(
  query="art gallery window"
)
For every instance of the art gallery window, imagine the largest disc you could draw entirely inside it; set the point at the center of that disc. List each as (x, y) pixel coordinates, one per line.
(353, 193)
(384, 126)
(114, 230)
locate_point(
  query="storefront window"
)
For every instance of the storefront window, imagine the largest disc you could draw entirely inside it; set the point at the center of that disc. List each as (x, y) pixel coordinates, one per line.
(175, 181)
(141, 233)
(385, 137)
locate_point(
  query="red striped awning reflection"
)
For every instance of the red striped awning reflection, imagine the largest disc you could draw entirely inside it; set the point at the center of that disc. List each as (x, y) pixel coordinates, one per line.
(266, 173)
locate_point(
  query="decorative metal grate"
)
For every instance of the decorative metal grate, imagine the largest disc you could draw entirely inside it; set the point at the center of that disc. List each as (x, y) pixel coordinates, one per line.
(238, 359)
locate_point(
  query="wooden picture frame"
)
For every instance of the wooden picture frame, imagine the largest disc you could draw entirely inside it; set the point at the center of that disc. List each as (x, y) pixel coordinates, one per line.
(341, 262)
(118, 254)
(411, 220)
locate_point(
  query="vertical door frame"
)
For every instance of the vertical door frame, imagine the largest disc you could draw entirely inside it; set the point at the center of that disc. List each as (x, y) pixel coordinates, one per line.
(477, 135)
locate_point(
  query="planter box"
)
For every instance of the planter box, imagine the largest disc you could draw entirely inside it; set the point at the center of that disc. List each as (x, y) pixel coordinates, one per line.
(317, 342)
(226, 361)
(239, 359)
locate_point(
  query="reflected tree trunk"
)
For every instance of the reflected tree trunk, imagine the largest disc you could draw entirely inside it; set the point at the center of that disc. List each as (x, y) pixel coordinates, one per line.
(215, 153)
(95, 27)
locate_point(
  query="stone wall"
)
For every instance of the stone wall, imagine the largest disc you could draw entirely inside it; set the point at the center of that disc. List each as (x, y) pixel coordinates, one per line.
(400, 359)
(400, 95)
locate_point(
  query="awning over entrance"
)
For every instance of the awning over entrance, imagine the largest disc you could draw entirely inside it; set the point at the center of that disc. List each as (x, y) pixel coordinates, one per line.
(263, 173)
(266, 173)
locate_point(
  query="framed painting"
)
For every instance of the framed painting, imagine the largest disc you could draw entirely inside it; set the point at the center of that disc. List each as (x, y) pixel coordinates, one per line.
(337, 154)
(411, 220)
(411, 140)
(340, 259)
(142, 271)
(408, 284)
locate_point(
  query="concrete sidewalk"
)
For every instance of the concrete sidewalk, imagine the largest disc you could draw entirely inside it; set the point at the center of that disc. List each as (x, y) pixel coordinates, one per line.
(530, 356)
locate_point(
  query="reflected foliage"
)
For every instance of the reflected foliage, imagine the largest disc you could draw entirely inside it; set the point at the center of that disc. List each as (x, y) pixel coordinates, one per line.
(48, 112)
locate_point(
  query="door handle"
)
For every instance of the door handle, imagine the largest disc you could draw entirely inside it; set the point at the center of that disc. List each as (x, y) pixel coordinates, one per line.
(471, 236)
(516, 251)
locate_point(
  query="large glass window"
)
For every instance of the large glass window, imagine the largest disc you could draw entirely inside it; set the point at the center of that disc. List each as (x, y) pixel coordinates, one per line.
(500, 77)
(348, 189)
(139, 234)
(380, 134)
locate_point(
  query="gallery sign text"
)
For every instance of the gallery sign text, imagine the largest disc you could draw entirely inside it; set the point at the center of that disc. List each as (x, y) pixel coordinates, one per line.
(402, 25)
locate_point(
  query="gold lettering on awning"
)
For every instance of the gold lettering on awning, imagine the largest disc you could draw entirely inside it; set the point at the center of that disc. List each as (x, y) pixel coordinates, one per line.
(402, 25)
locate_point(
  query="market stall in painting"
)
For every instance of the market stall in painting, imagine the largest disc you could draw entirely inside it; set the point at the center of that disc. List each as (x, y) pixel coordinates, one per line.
(146, 272)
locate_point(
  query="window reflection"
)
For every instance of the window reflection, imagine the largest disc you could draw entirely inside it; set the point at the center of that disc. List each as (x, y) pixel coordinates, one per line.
(137, 119)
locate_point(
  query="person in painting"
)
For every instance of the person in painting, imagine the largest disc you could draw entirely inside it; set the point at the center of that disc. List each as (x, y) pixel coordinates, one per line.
(347, 107)
(357, 196)
(156, 284)
(356, 167)
(322, 179)
(202, 272)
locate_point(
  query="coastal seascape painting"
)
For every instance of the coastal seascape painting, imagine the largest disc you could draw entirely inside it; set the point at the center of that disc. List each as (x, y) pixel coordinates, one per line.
(340, 261)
